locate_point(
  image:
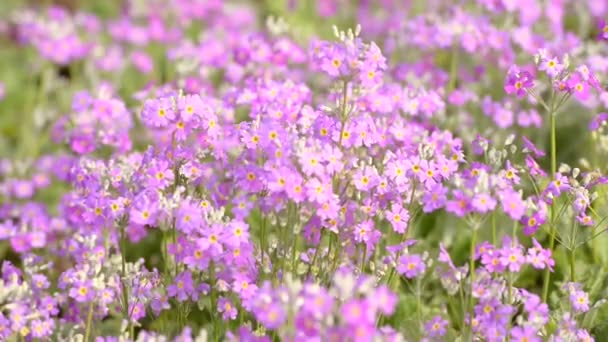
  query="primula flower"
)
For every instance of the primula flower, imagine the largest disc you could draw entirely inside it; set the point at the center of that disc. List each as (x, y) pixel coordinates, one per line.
(183, 287)
(398, 217)
(460, 205)
(578, 86)
(585, 219)
(436, 327)
(579, 300)
(334, 62)
(227, 309)
(551, 66)
(539, 257)
(82, 291)
(512, 204)
(411, 265)
(356, 311)
(365, 179)
(512, 257)
(158, 112)
(524, 334)
(518, 82)
(483, 203)
(212, 239)
(434, 198)
(144, 211)
(188, 217)
(491, 260)
(559, 185)
(318, 191)
(603, 30)
(243, 286)
(385, 300)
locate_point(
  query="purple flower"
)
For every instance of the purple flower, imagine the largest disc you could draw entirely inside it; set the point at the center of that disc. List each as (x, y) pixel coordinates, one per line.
(598, 121)
(559, 185)
(160, 175)
(539, 257)
(518, 82)
(512, 204)
(225, 307)
(82, 291)
(189, 217)
(212, 240)
(144, 211)
(436, 327)
(183, 287)
(158, 112)
(355, 312)
(512, 257)
(524, 334)
(579, 300)
(579, 87)
(398, 217)
(385, 300)
(483, 203)
(411, 265)
(551, 66)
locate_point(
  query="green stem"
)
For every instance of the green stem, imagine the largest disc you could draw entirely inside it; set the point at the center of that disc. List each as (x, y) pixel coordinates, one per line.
(409, 209)
(314, 258)
(419, 304)
(263, 242)
(123, 275)
(453, 69)
(363, 259)
(509, 300)
(494, 228)
(572, 268)
(510, 280)
(293, 254)
(87, 331)
(553, 224)
(343, 114)
(472, 273)
(213, 293)
(337, 248)
(573, 252)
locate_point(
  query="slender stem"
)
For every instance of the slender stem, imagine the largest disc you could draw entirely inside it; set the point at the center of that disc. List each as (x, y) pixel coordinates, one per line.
(87, 331)
(334, 265)
(494, 228)
(453, 69)
(343, 113)
(472, 272)
(335, 181)
(363, 258)
(263, 242)
(123, 275)
(213, 300)
(553, 224)
(293, 254)
(572, 267)
(409, 209)
(463, 305)
(509, 300)
(314, 258)
(573, 251)
(419, 304)
(510, 280)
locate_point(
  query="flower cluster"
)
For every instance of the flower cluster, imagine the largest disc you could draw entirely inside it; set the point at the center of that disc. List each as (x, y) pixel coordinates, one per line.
(210, 178)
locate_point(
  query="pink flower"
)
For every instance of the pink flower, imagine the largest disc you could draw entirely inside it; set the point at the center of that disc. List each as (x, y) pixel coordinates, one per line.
(398, 217)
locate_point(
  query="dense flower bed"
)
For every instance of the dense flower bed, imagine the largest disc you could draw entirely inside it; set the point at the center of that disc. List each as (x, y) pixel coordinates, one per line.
(191, 170)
